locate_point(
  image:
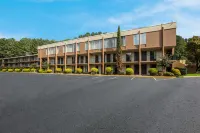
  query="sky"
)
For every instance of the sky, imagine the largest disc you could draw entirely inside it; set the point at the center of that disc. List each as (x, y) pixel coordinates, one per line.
(66, 19)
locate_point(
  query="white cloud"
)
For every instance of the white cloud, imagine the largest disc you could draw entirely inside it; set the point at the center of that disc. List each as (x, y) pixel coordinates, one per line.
(16, 36)
(180, 11)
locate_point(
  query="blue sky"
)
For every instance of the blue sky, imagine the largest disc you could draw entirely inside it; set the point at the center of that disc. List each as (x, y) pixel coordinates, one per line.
(62, 19)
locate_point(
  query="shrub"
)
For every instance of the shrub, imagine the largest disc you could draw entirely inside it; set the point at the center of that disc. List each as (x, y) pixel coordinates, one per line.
(49, 71)
(33, 70)
(168, 74)
(68, 70)
(26, 70)
(17, 70)
(109, 70)
(153, 71)
(4, 70)
(176, 72)
(94, 70)
(58, 70)
(183, 71)
(129, 71)
(40, 70)
(10, 70)
(79, 70)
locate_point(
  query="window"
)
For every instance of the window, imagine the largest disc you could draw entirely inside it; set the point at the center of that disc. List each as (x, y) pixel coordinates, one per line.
(86, 45)
(52, 61)
(52, 50)
(86, 59)
(96, 59)
(60, 60)
(82, 59)
(73, 59)
(110, 43)
(136, 39)
(108, 57)
(152, 55)
(96, 44)
(114, 57)
(123, 41)
(70, 47)
(143, 38)
(144, 56)
(78, 47)
(46, 51)
(128, 57)
(136, 56)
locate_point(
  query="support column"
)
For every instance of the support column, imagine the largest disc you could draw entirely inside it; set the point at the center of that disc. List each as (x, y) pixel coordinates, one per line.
(163, 45)
(102, 58)
(88, 56)
(48, 57)
(173, 51)
(40, 57)
(56, 58)
(76, 56)
(140, 64)
(65, 58)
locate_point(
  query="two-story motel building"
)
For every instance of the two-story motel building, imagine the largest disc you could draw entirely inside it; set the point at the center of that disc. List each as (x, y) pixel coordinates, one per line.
(141, 48)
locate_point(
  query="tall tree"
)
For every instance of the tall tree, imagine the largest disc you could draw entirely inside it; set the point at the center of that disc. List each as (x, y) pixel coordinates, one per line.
(193, 51)
(119, 51)
(180, 49)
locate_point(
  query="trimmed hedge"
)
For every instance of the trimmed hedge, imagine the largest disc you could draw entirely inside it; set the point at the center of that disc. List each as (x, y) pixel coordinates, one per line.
(79, 70)
(49, 71)
(183, 71)
(168, 74)
(109, 70)
(129, 71)
(68, 70)
(58, 70)
(94, 70)
(17, 70)
(40, 71)
(176, 72)
(4, 70)
(33, 70)
(10, 70)
(26, 70)
(153, 71)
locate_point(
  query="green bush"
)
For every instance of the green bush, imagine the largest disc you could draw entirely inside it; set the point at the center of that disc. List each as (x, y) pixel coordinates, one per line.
(49, 71)
(4, 70)
(168, 74)
(109, 70)
(26, 70)
(129, 71)
(17, 70)
(94, 70)
(183, 71)
(10, 70)
(40, 70)
(153, 71)
(176, 72)
(68, 70)
(79, 70)
(33, 70)
(58, 70)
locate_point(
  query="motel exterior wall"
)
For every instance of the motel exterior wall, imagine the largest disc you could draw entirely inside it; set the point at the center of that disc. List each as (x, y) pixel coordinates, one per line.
(158, 40)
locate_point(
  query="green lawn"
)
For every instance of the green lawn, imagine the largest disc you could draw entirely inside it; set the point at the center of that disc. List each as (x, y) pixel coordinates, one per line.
(194, 74)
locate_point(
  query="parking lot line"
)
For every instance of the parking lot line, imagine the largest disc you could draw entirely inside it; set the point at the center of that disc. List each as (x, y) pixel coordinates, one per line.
(132, 78)
(113, 78)
(95, 77)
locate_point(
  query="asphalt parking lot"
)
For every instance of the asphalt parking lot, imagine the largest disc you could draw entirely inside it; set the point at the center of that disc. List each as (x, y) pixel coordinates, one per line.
(33, 103)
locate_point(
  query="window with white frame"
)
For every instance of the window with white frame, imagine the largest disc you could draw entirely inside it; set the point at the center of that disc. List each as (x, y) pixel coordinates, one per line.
(110, 43)
(52, 50)
(136, 39)
(123, 38)
(143, 38)
(86, 45)
(70, 47)
(97, 44)
(78, 47)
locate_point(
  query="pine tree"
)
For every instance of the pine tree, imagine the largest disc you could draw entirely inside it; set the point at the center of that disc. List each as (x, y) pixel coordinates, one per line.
(119, 52)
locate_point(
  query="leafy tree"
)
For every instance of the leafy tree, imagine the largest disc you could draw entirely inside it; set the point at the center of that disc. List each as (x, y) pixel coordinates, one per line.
(164, 62)
(193, 51)
(119, 52)
(180, 49)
